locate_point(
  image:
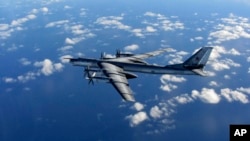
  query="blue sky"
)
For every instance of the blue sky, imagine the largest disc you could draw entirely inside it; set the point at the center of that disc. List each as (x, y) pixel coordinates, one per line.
(43, 97)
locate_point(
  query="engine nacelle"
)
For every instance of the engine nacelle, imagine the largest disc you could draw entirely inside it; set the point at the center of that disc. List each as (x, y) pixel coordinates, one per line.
(124, 55)
(130, 75)
(121, 54)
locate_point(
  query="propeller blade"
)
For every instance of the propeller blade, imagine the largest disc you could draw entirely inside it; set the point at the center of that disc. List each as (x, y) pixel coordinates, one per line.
(86, 70)
(88, 74)
(102, 55)
(118, 53)
(84, 74)
(91, 81)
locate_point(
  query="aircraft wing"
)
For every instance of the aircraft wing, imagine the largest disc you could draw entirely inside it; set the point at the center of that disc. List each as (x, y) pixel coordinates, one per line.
(151, 54)
(118, 79)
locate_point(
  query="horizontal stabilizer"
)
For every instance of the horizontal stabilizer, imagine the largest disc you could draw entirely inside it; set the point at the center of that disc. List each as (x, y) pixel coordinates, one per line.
(199, 72)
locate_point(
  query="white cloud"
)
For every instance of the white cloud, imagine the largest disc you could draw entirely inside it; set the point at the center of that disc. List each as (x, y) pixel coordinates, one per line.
(162, 22)
(210, 73)
(77, 29)
(45, 10)
(57, 23)
(26, 89)
(17, 24)
(155, 112)
(219, 50)
(48, 67)
(242, 89)
(31, 16)
(48, 2)
(58, 67)
(206, 95)
(213, 83)
(231, 28)
(151, 14)
(161, 113)
(4, 27)
(172, 78)
(176, 57)
(222, 64)
(168, 87)
(24, 61)
(227, 76)
(34, 11)
(230, 62)
(183, 99)
(150, 29)
(28, 76)
(70, 41)
(65, 48)
(112, 22)
(83, 12)
(219, 66)
(20, 21)
(132, 47)
(233, 51)
(138, 106)
(216, 52)
(198, 38)
(248, 59)
(80, 33)
(223, 35)
(109, 55)
(5, 31)
(199, 29)
(137, 32)
(9, 80)
(234, 95)
(137, 118)
(67, 7)
(182, 53)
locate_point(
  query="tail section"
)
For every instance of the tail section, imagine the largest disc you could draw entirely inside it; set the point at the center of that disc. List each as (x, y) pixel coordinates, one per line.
(197, 61)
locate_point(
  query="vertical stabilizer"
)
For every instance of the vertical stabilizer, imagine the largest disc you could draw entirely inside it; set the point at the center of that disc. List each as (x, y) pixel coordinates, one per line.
(199, 59)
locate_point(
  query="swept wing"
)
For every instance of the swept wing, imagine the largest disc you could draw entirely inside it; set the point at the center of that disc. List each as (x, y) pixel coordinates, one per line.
(151, 54)
(141, 57)
(118, 79)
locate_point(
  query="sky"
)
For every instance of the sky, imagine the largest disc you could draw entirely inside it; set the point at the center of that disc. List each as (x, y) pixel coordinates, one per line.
(43, 97)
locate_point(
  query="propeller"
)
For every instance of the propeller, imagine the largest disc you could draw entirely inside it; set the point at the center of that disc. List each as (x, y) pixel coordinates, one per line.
(91, 81)
(103, 55)
(88, 75)
(118, 53)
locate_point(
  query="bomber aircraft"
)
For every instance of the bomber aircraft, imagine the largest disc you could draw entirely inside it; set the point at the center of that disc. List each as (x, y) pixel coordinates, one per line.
(118, 70)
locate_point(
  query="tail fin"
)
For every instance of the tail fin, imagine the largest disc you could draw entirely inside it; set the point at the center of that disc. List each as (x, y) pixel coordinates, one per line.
(197, 61)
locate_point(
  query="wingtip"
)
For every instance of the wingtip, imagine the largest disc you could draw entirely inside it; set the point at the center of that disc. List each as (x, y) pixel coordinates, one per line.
(129, 99)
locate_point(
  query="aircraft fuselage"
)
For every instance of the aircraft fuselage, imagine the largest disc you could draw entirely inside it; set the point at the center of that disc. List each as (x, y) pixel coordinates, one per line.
(134, 67)
(117, 71)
